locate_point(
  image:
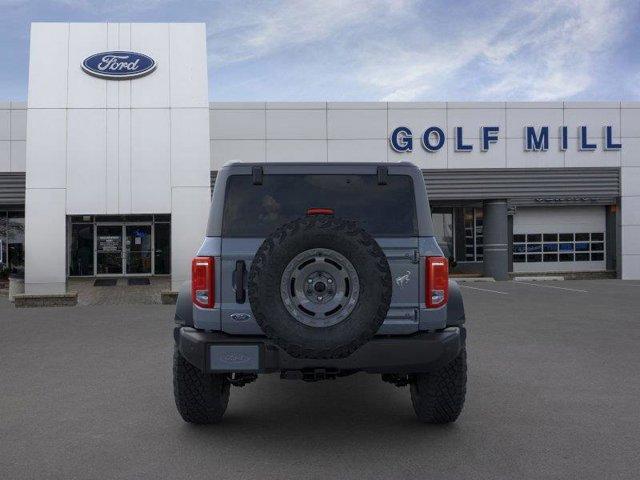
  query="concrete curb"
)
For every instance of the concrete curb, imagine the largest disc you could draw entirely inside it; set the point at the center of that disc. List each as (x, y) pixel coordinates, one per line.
(23, 300)
(538, 279)
(474, 279)
(168, 297)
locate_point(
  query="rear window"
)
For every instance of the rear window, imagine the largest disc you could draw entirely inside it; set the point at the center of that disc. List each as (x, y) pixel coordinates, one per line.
(257, 210)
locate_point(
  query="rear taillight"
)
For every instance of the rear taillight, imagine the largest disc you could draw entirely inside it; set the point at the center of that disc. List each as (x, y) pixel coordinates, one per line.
(202, 282)
(436, 281)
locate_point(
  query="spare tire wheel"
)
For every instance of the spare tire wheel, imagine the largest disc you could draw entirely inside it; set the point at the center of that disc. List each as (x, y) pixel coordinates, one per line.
(320, 287)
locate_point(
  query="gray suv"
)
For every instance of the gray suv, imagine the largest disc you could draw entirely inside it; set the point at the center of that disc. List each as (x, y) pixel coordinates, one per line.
(317, 271)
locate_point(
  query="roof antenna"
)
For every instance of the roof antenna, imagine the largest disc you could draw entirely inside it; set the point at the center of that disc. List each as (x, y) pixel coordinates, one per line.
(383, 172)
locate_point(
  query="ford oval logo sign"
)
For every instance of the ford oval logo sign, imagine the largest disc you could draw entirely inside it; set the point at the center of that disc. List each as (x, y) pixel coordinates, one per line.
(118, 65)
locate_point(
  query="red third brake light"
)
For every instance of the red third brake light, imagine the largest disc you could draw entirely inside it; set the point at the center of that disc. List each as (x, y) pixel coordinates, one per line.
(437, 282)
(202, 282)
(320, 211)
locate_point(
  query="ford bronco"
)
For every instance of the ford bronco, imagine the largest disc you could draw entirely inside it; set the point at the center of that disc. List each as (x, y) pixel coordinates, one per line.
(318, 271)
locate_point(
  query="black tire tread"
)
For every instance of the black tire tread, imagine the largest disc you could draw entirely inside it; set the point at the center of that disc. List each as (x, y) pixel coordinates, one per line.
(438, 397)
(200, 398)
(345, 227)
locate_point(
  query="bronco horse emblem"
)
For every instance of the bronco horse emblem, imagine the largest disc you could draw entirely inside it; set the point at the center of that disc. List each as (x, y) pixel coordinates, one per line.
(403, 280)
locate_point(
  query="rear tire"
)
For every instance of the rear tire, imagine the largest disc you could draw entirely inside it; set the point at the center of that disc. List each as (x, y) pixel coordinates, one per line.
(200, 398)
(438, 397)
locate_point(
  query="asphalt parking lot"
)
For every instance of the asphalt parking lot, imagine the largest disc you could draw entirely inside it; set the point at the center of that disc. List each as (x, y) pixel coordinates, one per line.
(554, 389)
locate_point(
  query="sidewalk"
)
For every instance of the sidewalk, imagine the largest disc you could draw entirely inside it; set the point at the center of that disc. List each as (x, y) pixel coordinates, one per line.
(121, 293)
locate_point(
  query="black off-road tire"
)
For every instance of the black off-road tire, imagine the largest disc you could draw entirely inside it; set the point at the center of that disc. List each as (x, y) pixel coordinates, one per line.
(374, 277)
(438, 397)
(201, 398)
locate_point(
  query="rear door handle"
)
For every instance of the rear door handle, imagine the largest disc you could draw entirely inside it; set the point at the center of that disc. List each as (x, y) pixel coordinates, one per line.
(239, 276)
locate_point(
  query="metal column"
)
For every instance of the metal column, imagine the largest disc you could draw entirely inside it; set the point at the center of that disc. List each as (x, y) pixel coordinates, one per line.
(495, 233)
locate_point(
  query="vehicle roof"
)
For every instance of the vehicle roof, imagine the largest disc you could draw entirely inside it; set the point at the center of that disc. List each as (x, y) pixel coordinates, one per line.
(293, 164)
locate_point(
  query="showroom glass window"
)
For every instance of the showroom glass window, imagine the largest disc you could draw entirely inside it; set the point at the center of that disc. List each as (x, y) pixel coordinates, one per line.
(459, 231)
(120, 244)
(4, 266)
(162, 252)
(443, 229)
(12, 241)
(473, 234)
(81, 249)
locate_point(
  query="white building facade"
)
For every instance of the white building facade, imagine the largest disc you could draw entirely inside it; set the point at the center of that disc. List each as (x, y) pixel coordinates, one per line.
(118, 171)
(99, 147)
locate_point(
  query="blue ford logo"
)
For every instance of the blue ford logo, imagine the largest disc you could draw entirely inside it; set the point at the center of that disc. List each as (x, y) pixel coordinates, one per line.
(118, 65)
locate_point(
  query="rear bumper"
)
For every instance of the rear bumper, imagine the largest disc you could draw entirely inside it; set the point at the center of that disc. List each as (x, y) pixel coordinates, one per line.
(219, 352)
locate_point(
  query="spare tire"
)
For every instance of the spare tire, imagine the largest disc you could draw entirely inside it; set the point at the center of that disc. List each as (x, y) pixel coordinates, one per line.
(320, 287)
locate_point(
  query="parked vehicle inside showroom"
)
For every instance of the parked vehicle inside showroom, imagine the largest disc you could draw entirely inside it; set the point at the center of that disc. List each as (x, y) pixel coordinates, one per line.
(318, 271)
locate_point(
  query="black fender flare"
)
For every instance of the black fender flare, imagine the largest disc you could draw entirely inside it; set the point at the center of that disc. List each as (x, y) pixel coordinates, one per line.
(455, 306)
(184, 306)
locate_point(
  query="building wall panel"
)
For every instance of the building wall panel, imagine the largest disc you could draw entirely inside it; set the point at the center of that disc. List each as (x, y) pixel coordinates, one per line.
(85, 91)
(45, 241)
(224, 151)
(296, 124)
(47, 148)
(5, 156)
(153, 90)
(189, 145)
(86, 161)
(188, 56)
(234, 124)
(150, 160)
(48, 65)
(5, 123)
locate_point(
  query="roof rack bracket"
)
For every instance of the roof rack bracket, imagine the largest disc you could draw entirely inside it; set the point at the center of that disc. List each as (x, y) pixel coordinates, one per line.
(383, 172)
(257, 174)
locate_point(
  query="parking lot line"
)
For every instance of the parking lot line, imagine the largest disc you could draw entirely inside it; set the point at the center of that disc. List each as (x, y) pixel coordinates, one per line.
(552, 286)
(484, 289)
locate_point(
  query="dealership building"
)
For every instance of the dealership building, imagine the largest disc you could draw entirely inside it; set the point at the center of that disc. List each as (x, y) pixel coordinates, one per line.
(107, 168)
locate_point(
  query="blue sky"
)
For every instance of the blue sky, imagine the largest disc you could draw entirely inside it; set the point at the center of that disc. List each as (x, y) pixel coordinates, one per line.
(363, 50)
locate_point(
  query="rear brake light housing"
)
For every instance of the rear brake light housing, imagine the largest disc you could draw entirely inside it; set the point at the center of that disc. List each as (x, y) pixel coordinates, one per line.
(203, 282)
(436, 282)
(320, 211)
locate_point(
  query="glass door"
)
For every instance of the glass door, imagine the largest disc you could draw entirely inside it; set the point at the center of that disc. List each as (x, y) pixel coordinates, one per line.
(109, 249)
(139, 249)
(162, 241)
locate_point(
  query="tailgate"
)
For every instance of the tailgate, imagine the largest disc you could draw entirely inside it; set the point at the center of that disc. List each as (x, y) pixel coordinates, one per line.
(401, 253)
(404, 262)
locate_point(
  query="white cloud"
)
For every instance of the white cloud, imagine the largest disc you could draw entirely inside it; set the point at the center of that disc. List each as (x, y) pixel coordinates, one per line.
(563, 53)
(406, 50)
(261, 29)
(546, 51)
(105, 7)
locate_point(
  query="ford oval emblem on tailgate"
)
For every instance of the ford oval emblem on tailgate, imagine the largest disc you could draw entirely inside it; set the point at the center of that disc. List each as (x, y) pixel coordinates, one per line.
(118, 65)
